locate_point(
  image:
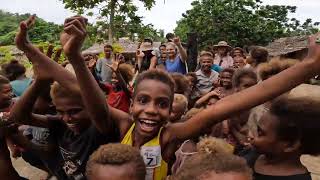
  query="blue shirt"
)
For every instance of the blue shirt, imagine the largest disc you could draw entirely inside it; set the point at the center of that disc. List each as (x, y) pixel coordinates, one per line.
(216, 68)
(19, 86)
(176, 66)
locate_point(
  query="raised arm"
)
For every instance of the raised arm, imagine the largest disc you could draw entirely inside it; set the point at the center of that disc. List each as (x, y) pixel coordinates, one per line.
(200, 102)
(250, 97)
(116, 61)
(92, 96)
(42, 62)
(21, 112)
(182, 51)
(153, 62)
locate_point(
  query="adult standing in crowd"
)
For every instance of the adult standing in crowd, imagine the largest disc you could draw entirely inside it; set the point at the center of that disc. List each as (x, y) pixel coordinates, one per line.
(222, 58)
(177, 57)
(104, 72)
(205, 75)
(146, 56)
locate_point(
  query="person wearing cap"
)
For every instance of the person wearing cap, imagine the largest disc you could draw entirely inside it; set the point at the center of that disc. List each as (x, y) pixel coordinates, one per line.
(103, 71)
(146, 56)
(177, 57)
(222, 58)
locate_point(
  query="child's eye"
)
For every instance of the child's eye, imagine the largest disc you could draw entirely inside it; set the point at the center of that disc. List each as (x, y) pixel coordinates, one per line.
(74, 111)
(163, 104)
(260, 133)
(143, 100)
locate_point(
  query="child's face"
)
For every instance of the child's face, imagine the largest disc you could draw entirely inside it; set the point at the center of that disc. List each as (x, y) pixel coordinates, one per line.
(238, 62)
(107, 52)
(190, 80)
(171, 51)
(225, 176)
(246, 82)
(5, 95)
(267, 141)
(178, 110)
(206, 63)
(151, 106)
(225, 79)
(72, 113)
(162, 49)
(114, 79)
(110, 172)
(237, 53)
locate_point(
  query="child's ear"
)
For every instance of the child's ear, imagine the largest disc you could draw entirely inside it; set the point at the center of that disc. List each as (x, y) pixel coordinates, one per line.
(292, 146)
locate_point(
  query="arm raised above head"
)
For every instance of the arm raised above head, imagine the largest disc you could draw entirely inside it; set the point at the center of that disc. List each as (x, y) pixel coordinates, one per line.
(251, 97)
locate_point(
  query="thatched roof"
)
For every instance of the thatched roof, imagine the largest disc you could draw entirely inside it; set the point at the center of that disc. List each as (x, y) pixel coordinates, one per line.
(287, 45)
(127, 45)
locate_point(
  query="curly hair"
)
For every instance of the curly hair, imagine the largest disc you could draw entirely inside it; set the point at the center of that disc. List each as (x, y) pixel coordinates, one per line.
(13, 70)
(213, 155)
(244, 72)
(126, 71)
(180, 83)
(259, 54)
(58, 91)
(157, 75)
(298, 121)
(274, 66)
(194, 76)
(118, 154)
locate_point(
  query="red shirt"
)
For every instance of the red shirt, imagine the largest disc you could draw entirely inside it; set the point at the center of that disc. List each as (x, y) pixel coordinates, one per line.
(118, 99)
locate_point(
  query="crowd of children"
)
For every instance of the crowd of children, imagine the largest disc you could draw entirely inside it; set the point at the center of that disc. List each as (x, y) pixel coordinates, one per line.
(236, 117)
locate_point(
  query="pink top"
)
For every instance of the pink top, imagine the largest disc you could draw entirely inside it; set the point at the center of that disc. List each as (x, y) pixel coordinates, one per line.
(224, 62)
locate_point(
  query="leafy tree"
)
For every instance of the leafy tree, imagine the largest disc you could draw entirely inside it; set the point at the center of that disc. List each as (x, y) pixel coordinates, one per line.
(240, 22)
(42, 32)
(114, 11)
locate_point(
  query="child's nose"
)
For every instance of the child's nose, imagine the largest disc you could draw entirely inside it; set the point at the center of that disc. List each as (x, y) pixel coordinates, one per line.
(66, 117)
(151, 109)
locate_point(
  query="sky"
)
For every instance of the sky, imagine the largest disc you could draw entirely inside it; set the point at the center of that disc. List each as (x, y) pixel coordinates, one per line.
(163, 15)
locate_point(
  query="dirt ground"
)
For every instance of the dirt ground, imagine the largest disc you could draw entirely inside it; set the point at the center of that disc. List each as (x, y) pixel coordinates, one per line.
(27, 171)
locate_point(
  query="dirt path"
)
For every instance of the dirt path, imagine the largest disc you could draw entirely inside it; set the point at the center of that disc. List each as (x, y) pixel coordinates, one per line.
(27, 171)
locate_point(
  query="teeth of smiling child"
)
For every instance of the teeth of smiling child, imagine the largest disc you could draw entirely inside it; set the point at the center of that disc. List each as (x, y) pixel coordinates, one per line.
(149, 122)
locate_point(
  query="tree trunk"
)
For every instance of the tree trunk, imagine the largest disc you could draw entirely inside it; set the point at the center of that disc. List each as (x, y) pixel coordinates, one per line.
(110, 30)
(192, 51)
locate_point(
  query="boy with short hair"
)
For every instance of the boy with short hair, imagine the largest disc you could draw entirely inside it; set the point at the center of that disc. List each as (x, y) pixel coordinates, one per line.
(116, 162)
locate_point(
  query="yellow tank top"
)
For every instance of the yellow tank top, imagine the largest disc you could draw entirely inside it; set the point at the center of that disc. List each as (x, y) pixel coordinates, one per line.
(157, 168)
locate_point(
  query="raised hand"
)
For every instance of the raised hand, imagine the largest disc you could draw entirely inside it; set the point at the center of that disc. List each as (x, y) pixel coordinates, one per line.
(139, 54)
(177, 41)
(21, 39)
(73, 35)
(116, 61)
(314, 50)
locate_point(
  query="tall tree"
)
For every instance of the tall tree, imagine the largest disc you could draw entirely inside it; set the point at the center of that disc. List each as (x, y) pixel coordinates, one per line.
(109, 9)
(240, 22)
